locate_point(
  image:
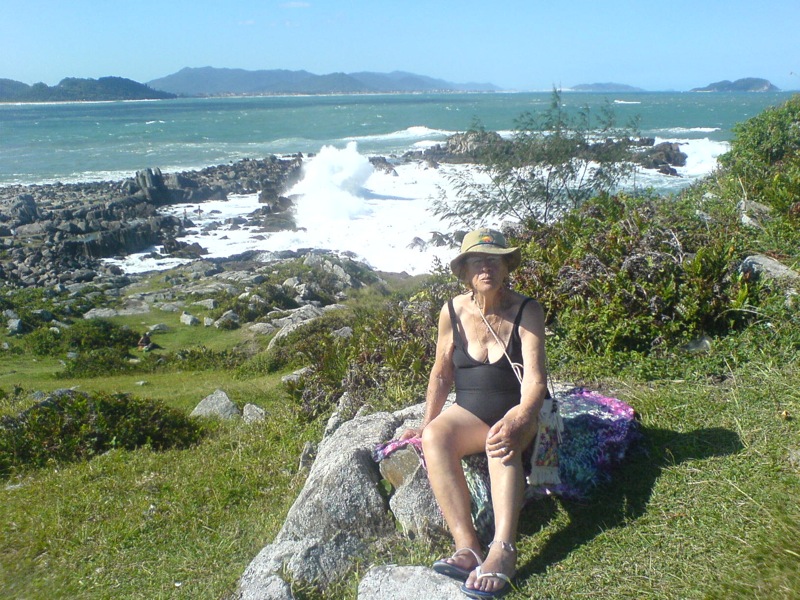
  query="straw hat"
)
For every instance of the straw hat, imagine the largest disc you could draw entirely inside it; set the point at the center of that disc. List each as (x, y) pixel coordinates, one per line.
(485, 241)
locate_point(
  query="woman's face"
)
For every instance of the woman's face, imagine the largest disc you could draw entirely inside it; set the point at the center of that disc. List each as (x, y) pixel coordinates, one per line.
(485, 272)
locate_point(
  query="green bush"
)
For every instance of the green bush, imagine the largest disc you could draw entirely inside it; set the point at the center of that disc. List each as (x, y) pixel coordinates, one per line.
(72, 426)
(764, 158)
(631, 273)
(83, 335)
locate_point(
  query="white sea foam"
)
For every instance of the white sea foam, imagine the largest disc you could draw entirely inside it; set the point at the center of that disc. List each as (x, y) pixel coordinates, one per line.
(701, 154)
(409, 133)
(344, 205)
(684, 130)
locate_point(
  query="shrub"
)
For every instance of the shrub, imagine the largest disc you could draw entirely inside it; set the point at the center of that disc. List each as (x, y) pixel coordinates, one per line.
(386, 361)
(555, 161)
(70, 426)
(97, 334)
(764, 158)
(628, 274)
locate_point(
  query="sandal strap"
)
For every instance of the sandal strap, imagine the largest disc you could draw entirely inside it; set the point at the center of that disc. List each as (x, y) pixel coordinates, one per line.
(496, 574)
(504, 545)
(461, 551)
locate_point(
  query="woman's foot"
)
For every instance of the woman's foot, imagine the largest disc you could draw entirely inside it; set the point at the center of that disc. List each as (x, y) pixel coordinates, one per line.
(492, 578)
(460, 565)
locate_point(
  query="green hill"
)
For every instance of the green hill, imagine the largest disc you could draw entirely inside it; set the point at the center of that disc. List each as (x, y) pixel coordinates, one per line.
(74, 89)
(748, 84)
(211, 81)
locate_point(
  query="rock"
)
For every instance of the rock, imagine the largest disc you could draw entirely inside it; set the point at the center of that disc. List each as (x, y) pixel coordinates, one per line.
(307, 456)
(295, 319)
(253, 414)
(262, 328)
(209, 303)
(15, 326)
(341, 492)
(216, 405)
(389, 582)
(400, 467)
(269, 587)
(172, 307)
(701, 345)
(68, 228)
(228, 320)
(337, 513)
(296, 376)
(415, 509)
(759, 265)
(188, 319)
(311, 561)
(343, 333)
(100, 313)
(345, 410)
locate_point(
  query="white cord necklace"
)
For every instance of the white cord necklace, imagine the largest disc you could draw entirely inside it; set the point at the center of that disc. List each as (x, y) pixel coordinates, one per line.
(516, 367)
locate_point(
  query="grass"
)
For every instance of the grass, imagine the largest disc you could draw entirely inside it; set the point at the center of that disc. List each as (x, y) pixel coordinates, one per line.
(707, 509)
(146, 524)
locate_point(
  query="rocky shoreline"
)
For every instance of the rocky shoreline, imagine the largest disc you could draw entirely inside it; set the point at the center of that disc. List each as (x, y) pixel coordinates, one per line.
(59, 233)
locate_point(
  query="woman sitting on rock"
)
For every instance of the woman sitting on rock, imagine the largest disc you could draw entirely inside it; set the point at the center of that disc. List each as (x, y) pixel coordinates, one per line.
(484, 336)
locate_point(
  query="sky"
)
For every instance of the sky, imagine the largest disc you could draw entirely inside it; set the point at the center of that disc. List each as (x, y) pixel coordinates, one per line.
(525, 45)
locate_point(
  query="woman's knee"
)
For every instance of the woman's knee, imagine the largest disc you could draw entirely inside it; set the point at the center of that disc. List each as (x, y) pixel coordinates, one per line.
(435, 436)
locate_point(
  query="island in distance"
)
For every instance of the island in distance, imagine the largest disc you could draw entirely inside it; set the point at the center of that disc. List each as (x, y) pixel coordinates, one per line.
(73, 89)
(212, 81)
(748, 84)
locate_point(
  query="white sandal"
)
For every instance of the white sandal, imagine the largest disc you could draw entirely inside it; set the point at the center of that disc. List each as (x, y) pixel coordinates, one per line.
(452, 570)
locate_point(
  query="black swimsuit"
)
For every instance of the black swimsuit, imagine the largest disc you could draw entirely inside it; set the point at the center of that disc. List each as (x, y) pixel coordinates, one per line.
(487, 390)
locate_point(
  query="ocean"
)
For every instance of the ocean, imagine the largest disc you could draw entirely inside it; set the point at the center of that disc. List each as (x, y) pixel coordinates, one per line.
(346, 206)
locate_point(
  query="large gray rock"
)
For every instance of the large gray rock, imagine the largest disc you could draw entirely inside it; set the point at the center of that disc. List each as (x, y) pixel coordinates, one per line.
(335, 517)
(315, 561)
(189, 319)
(396, 583)
(414, 506)
(759, 265)
(216, 405)
(341, 492)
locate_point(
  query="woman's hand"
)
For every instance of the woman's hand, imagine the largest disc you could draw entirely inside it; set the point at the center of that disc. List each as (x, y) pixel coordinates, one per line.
(511, 435)
(410, 433)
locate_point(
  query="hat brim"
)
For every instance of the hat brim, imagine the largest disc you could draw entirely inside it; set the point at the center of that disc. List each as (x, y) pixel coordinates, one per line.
(512, 255)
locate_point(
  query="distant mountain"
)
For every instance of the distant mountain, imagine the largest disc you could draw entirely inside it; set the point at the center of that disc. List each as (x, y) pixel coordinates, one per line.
(748, 84)
(72, 89)
(605, 87)
(211, 81)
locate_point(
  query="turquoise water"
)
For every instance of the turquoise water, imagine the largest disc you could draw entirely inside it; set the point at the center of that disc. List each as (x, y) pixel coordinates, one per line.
(108, 141)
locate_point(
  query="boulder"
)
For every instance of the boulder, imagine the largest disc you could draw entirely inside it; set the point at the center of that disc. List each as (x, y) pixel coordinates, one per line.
(759, 265)
(339, 511)
(228, 320)
(414, 506)
(383, 583)
(253, 414)
(216, 405)
(188, 319)
(318, 562)
(262, 328)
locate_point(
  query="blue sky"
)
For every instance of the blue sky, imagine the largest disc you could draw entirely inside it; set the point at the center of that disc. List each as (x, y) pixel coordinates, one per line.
(523, 45)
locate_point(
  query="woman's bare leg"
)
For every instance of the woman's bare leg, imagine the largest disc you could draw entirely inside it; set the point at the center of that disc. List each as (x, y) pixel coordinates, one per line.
(508, 489)
(454, 434)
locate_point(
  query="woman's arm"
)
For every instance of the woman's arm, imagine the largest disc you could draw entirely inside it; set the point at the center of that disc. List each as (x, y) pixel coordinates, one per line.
(516, 430)
(441, 378)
